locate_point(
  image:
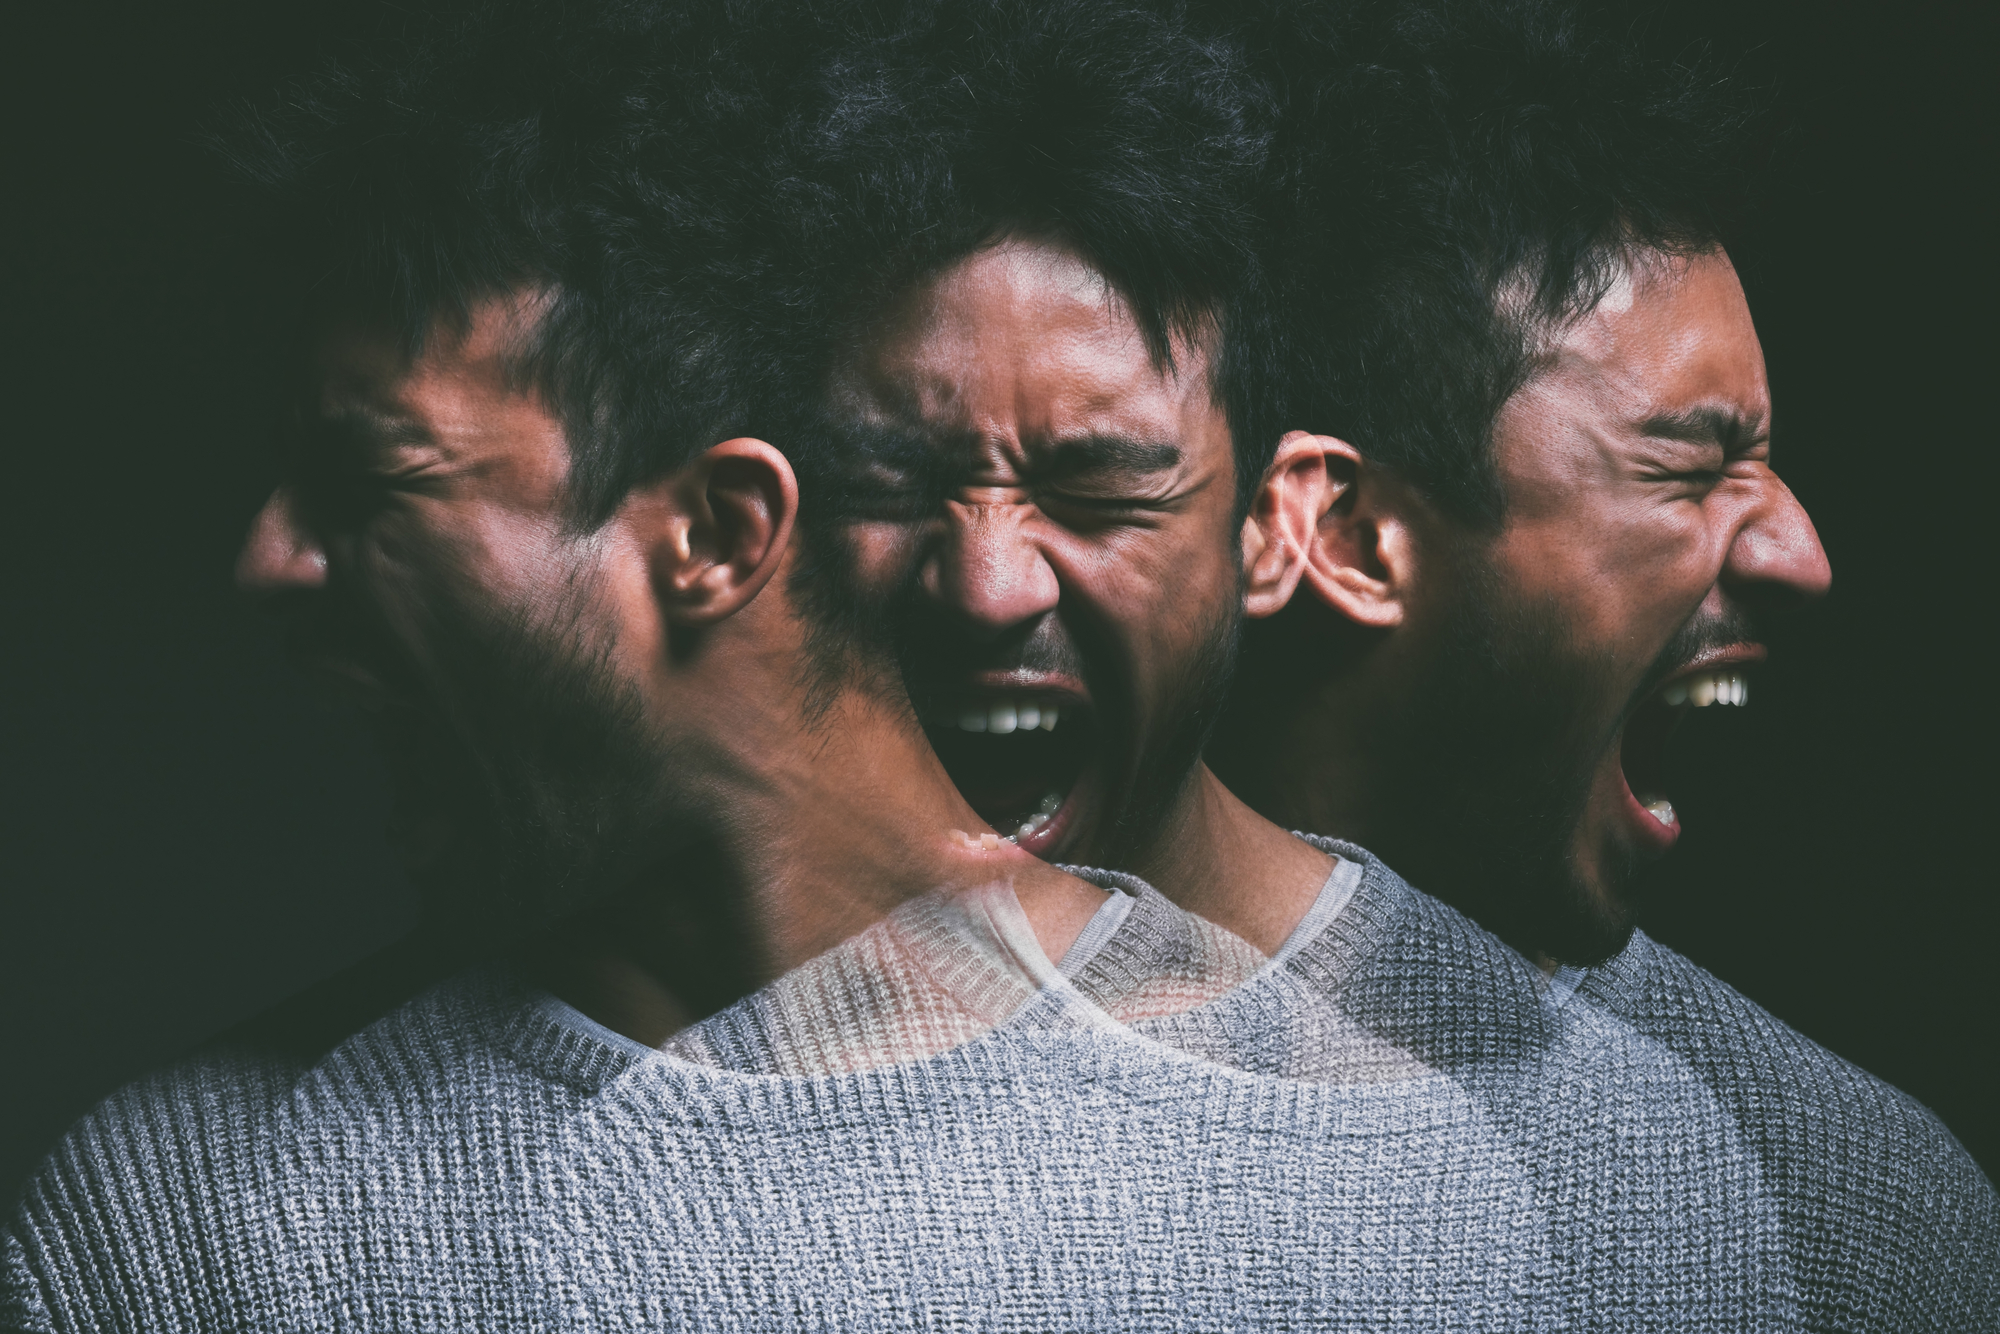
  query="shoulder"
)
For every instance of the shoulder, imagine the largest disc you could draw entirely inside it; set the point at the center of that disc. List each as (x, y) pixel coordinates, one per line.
(1876, 1189)
(182, 1196)
(1800, 1088)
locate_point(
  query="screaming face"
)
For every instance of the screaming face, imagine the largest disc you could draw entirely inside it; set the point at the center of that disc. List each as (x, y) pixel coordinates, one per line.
(1646, 539)
(1043, 516)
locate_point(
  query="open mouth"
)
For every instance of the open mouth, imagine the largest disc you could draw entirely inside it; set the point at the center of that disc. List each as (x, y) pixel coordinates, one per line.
(1653, 724)
(1018, 759)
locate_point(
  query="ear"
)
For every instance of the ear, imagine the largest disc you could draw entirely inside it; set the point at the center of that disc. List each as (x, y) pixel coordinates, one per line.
(1278, 533)
(1363, 554)
(729, 518)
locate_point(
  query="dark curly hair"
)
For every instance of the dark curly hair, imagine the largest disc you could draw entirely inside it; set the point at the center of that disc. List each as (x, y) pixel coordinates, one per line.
(1455, 179)
(713, 192)
(617, 158)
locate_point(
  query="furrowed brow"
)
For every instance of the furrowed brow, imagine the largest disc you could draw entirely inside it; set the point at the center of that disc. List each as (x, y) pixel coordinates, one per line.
(1114, 453)
(1702, 426)
(355, 427)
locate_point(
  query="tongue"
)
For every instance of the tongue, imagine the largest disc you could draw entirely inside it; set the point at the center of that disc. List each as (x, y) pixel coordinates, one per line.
(1002, 804)
(1006, 778)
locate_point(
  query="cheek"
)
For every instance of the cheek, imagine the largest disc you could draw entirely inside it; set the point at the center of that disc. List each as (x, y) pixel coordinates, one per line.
(1162, 591)
(880, 555)
(414, 563)
(401, 565)
(1627, 573)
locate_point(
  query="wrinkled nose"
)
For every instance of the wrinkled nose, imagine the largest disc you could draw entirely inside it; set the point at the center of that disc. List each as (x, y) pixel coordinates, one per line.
(1778, 550)
(280, 553)
(989, 569)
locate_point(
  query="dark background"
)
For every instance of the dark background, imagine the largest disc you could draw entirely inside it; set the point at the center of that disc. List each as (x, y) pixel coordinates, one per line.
(186, 837)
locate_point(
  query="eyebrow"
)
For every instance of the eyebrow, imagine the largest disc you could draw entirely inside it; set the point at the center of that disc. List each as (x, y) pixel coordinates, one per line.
(1701, 426)
(367, 426)
(935, 452)
(1077, 453)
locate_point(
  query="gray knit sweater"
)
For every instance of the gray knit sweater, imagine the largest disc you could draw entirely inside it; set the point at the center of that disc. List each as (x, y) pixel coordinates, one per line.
(1394, 1123)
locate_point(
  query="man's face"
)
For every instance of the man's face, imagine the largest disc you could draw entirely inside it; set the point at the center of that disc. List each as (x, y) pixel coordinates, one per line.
(418, 555)
(1645, 541)
(1046, 519)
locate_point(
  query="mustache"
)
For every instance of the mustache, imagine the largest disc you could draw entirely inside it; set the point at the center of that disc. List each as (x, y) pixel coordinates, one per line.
(927, 641)
(1701, 634)
(928, 644)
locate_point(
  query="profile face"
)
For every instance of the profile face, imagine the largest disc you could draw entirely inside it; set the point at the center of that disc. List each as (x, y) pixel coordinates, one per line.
(1047, 524)
(1646, 540)
(417, 556)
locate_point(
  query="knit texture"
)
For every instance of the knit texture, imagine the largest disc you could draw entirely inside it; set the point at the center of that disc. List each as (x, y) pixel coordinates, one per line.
(1391, 1124)
(1888, 1223)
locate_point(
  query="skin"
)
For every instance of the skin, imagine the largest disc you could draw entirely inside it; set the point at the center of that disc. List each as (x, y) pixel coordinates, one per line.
(808, 834)
(1082, 551)
(1642, 520)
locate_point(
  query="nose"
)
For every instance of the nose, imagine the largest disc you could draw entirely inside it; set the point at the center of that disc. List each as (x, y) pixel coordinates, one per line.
(989, 568)
(280, 553)
(1778, 549)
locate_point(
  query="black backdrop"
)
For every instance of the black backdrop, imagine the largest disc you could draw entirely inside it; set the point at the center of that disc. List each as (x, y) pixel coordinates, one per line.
(185, 837)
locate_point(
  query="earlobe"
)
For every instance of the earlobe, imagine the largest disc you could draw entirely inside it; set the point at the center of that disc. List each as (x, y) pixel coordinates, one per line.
(730, 522)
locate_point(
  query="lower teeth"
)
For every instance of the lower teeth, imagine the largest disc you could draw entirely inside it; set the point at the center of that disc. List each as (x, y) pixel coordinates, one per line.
(1035, 823)
(1661, 810)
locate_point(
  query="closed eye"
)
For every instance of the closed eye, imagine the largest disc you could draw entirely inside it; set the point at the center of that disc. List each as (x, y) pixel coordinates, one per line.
(348, 466)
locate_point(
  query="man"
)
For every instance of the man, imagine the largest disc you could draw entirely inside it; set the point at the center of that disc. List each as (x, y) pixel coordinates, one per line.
(649, 761)
(626, 759)
(1549, 528)
(1037, 499)
(1048, 495)
(490, 1155)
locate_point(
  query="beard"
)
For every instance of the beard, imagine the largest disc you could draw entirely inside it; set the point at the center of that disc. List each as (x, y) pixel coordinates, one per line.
(1494, 760)
(1192, 704)
(530, 784)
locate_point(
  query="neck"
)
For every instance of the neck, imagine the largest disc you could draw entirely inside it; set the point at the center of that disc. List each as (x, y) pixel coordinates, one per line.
(1313, 702)
(802, 839)
(1221, 860)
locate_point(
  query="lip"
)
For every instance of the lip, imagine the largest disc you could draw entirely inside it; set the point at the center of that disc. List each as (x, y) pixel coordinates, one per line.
(1044, 841)
(1729, 655)
(1647, 832)
(1054, 687)
(1049, 690)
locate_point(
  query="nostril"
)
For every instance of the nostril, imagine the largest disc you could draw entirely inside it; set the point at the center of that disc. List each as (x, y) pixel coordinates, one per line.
(1780, 551)
(278, 553)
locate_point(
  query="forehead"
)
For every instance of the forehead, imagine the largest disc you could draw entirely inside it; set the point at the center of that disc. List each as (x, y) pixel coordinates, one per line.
(460, 398)
(1672, 334)
(1022, 343)
(356, 358)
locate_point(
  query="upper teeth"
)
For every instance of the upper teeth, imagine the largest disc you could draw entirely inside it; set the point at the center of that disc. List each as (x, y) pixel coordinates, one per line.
(1007, 715)
(1705, 688)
